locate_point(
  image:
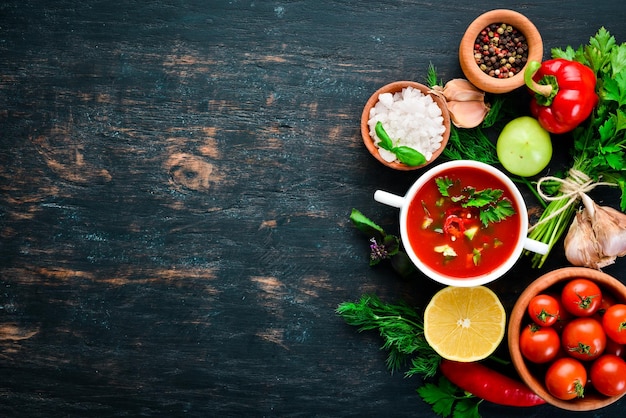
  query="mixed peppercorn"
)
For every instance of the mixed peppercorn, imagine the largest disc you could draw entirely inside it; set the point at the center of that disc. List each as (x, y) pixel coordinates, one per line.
(500, 50)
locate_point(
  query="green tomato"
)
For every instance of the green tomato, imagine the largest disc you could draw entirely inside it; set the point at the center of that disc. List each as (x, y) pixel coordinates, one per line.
(524, 148)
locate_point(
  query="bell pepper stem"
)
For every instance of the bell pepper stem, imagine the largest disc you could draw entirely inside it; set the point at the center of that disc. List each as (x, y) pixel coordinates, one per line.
(531, 69)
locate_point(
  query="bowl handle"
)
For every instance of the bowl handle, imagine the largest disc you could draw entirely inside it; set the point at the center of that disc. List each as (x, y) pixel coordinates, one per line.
(536, 246)
(388, 199)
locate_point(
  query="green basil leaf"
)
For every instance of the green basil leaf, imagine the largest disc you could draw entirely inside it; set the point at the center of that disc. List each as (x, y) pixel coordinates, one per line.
(385, 142)
(409, 156)
(365, 225)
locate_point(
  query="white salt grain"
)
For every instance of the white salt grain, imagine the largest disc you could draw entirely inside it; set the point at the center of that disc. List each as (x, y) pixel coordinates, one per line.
(411, 119)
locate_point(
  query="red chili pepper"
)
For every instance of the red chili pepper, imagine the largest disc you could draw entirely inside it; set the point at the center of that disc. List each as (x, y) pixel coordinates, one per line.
(454, 225)
(565, 93)
(488, 384)
(456, 221)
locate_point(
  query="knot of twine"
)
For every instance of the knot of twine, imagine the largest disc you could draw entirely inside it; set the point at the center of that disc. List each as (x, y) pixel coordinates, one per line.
(572, 188)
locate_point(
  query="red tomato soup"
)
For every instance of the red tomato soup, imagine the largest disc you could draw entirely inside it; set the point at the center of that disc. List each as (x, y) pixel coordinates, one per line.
(463, 223)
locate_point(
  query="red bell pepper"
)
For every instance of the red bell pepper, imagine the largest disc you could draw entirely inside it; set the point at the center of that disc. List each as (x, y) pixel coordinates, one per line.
(564, 93)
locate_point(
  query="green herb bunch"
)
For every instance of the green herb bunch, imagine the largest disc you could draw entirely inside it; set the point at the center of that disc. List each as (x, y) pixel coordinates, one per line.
(600, 143)
(402, 331)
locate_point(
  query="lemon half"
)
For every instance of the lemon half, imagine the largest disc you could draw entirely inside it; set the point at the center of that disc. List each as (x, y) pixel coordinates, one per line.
(464, 323)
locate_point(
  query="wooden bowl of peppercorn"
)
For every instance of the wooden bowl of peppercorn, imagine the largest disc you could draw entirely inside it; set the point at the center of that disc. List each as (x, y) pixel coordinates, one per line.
(495, 49)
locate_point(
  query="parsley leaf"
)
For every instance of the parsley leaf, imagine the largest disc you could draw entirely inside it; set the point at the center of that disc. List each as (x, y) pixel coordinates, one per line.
(496, 212)
(568, 53)
(467, 408)
(613, 91)
(446, 399)
(440, 397)
(483, 197)
(618, 60)
(443, 184)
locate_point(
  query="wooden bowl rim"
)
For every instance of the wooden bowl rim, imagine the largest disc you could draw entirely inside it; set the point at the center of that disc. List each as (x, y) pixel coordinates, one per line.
(394, 87)
(593, 400)
(466, 49)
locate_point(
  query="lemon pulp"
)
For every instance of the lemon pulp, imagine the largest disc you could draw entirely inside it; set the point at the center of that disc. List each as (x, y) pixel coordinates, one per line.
(464, 323)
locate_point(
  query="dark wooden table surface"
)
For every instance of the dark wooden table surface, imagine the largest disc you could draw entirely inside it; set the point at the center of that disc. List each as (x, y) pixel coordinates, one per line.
(176, 181)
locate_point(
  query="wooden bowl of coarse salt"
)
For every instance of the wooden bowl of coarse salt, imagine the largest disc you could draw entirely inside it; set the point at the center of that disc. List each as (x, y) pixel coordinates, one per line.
(411, 116)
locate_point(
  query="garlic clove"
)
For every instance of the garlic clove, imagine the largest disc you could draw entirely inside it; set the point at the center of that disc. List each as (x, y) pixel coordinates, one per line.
(461, 90)
(581, 247)
(618, 241)
(609, 227)
(597, 235)
(465, 102)
(467, 114)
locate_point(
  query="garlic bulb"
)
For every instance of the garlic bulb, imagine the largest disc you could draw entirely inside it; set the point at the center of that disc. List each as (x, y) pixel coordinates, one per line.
(597, 236)
(465, 102)
(609, 226)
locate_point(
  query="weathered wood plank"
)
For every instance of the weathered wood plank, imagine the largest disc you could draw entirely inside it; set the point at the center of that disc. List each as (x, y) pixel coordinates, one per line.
(176, 180)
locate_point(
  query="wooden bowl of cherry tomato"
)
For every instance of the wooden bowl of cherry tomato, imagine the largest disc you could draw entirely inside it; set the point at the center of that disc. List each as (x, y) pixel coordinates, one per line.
(567, 338)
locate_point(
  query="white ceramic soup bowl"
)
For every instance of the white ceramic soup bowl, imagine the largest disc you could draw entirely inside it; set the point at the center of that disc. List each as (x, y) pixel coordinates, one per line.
(417, 250)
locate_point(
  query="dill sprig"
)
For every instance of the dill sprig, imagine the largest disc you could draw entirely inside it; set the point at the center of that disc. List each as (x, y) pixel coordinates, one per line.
(402, 330)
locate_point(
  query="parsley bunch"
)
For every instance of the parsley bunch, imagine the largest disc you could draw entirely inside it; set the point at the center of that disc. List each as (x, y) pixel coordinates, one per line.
(600, 143)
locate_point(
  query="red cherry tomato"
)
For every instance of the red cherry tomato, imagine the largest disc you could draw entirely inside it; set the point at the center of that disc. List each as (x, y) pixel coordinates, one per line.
(566, 378)
(584, 338)
(581, 297)
(539, 344)
(608, 375)
(544, 310)
(614, 323)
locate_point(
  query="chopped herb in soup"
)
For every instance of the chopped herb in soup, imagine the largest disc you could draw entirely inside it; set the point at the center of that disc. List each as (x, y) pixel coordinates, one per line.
(463, 223)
